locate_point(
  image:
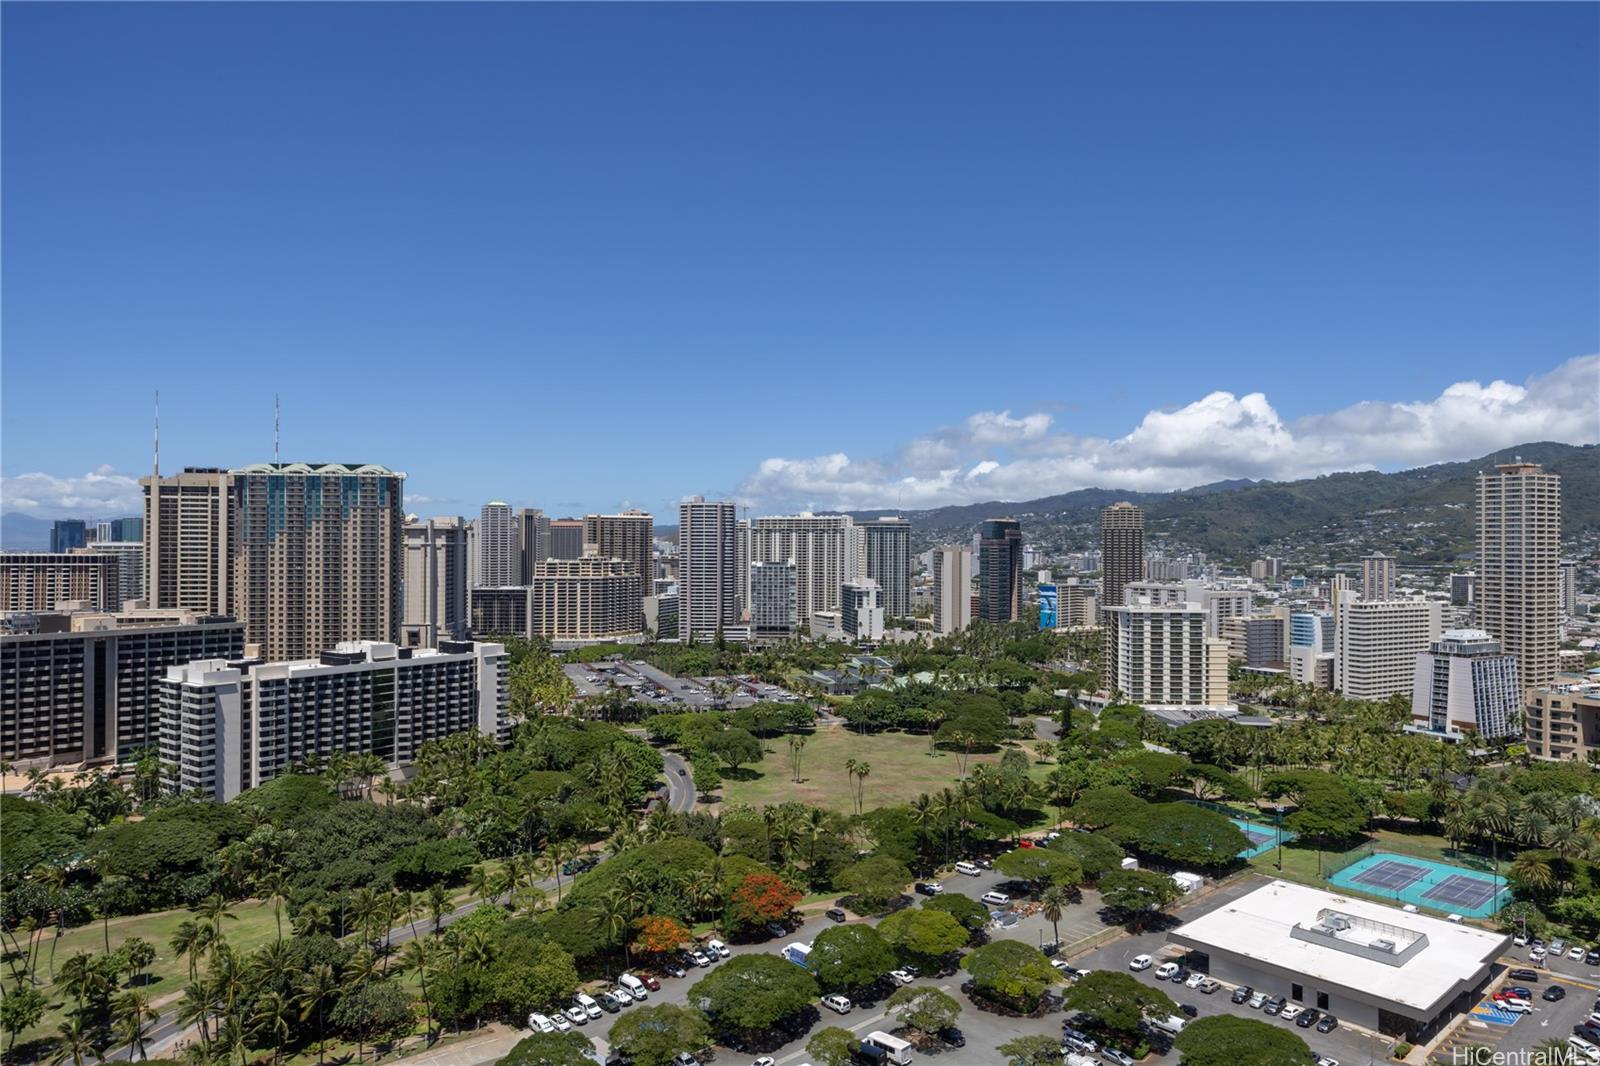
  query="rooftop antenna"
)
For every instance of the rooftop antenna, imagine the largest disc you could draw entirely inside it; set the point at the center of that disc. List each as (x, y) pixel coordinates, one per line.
(158, 435)
(275, 461)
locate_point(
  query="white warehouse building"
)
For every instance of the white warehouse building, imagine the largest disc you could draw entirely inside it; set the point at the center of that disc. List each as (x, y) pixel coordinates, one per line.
(1398, 972)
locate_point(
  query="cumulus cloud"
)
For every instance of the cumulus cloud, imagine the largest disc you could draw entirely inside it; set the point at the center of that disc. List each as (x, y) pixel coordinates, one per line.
(102, 491)
(994, 455)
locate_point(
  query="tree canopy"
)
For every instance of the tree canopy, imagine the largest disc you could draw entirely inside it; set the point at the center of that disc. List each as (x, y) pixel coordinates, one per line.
(1226, 1040)
(749, 993)
(1010, 972)
(1116, 1000)
(845, 957)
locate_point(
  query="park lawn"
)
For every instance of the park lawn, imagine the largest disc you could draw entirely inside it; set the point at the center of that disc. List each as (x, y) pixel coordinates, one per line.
(902, 769)
(254, 928)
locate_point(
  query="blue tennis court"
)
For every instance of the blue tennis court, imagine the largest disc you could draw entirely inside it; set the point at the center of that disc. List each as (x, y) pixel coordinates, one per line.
(1263, 838)
(1426, 883)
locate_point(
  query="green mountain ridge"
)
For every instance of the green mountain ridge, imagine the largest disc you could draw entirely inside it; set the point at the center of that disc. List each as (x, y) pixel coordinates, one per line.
(1422, 515)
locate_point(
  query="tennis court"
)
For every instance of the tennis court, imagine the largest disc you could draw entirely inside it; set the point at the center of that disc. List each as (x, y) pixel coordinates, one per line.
(1262, 838)
(1426, 883)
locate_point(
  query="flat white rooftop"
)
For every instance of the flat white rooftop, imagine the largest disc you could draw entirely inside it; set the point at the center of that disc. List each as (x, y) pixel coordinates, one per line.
(1426, 959)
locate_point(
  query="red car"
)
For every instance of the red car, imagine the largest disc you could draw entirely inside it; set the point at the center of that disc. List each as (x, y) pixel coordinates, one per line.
(650, 982)
(1025, 843)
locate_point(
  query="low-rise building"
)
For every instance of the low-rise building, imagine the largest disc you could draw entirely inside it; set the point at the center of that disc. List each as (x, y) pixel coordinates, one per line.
(1561, 721)
(1401, 973)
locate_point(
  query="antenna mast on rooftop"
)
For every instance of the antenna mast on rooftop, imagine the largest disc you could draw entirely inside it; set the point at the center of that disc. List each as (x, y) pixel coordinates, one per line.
(158, 435)
(275, 426)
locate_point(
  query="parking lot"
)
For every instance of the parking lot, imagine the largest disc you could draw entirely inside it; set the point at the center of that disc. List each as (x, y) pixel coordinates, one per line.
(649, 684)
(1547, 1020)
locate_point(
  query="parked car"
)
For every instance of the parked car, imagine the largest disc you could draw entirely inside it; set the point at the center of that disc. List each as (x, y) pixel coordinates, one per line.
(635, 988)
(1194, 980)
(837, 1003)
(1327, 1023)
(540, 1024)
(1189, 1010)
(608, 1003)
(577, 1015)
(1258, 1000)
(996, 899)
(1209, 985)
(1592, 956)
(1324, 1060)
(621, 995)
(651, 982)
(1290, 1011)
(953, 1037)
(1523, 975)
(1558, 946)
(1242, 994)
(720, 948)
(587, 1004)
(764, 1060)
(1138, 962)
(1517, 990)
(900, 977)
(1537, 954)
(928, 888)
(561, 1023)
(971, 869)
(1181, 975)
(1274, 1005)
(699, 958)
(1553, 993)
(1308, 1018)
(683, 1058)
(1575, 953)
(1117, 1058)
(1166, 970)
(835, 914)
(674, 968)
(777, 929)
(1520, 940)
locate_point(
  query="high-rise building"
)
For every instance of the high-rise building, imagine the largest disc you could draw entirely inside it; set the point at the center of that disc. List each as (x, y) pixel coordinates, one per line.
(707, 584)
(1377, 643)
(566, 538)
(1465, 685)
(952, 589)
(1159, 656)
(45, 581)
(1519, 545)
(189, 541)
(435, 582)
(67, 534)
(585, 601)
(1310, 666)
(999, 569)
(130, 567)
(1156, 592)
(1255, 640)
(823, 548)
(1264, 570)
(886, 559)
(1568, 588)
(1121, 551)
(861, 611)
(1462, 587)
(230, 725)
(1077, 606)
(629, 536)
(1377, 577)
(533, 529)
(743, 593)
(499, 548)
(1561, 720)
(78, 687)
(500, 612)
(127, 530)
(1219, 604)
(318, 555)
(774, 599)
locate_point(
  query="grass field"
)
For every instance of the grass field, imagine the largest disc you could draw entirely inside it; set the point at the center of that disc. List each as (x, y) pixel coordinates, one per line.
(902, 769)
(169, 973)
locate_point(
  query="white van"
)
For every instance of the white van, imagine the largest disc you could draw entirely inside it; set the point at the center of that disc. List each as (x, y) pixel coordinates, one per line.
(1170, 1024)
(894, 1049)
(587, 1004)
(1140, 962)
(635, 987)
(968, 868)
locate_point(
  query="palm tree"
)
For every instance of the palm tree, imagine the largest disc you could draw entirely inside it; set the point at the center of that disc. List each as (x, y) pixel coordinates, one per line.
(438, 904)
(132, 1015)
(313, 991)
(271, 1019)
(1532, 870)
(482, 882)
(1052, 901)
(616, 912)
(418, 956)
(74, 1045)
(312, 919)
(195, 1009)
(214, 908)
(862, 770)
(363, 907)
(274, 888)
(191, 940)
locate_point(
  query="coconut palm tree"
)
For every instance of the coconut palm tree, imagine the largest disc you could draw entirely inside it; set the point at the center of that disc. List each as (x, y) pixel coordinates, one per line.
(214, 908)
(438, 904)
(1531, 870)
(132, 1015)
(74, 1044)
(1052, 901)
(271, 1020)
(312, 993)
(419, 957)
(615, 914)
(273, 887)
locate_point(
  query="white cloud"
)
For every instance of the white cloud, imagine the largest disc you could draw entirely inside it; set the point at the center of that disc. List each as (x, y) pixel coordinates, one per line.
(102, 492)
(996, 456)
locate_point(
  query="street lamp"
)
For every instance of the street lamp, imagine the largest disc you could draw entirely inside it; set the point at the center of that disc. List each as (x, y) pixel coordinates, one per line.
(1278, 820)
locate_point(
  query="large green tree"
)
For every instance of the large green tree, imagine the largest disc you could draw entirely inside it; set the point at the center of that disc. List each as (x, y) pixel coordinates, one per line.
(652, 1036)
(1041, 867)
(924, 936)
(750, 993)
(551, 1049)
(1116, 1000)
(1032, 1050)
(1010, 972)
(1225, 1040)
(1138, 893)
(874, 881)
(925, 1009)
(851, 956)
(832, 1046)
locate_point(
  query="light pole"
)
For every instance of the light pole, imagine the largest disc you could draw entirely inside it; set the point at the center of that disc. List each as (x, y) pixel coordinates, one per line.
(1278, 821)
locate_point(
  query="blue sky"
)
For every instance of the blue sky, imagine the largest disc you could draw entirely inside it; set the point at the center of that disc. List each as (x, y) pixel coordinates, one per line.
(577, 256)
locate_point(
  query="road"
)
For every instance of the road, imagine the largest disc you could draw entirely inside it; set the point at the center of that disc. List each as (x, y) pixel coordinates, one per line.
(680, 798)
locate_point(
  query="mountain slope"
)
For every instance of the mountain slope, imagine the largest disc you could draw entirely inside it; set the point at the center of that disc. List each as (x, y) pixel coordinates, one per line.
(1425, 514)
